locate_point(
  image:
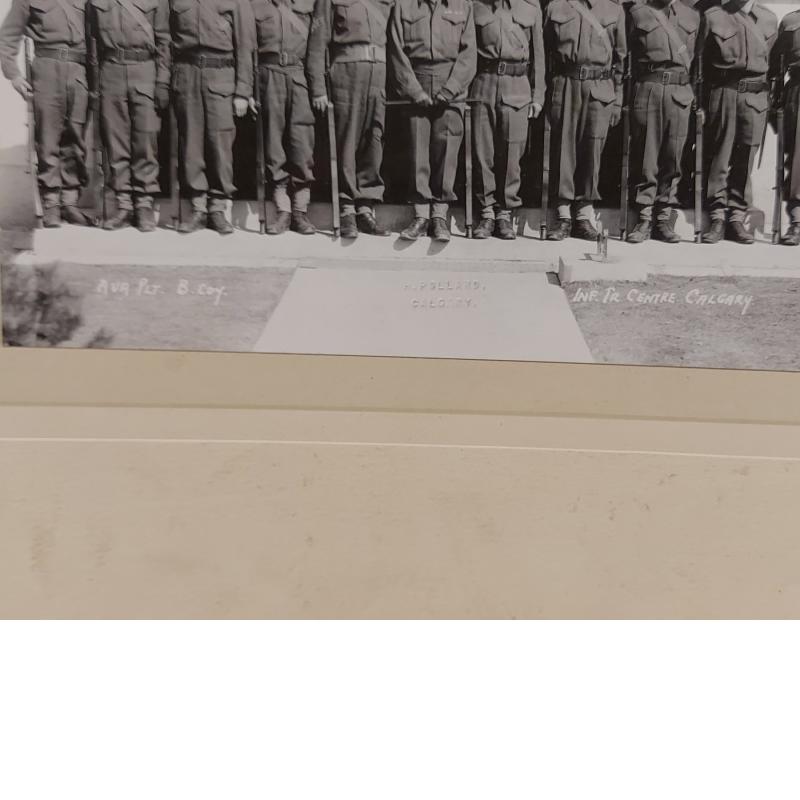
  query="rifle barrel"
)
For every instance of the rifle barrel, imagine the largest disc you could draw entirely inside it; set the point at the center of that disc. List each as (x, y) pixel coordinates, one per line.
(260, 164)
(33, 161)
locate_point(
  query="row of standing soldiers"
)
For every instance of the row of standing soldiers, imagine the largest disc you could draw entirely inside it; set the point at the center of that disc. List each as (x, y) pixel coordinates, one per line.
(504, 59)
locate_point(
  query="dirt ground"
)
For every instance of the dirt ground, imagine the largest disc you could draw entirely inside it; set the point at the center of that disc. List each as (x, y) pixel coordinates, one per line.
(723, 322)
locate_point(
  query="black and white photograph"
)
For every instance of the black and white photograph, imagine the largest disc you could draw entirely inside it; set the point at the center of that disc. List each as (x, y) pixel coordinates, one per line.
(581, 181)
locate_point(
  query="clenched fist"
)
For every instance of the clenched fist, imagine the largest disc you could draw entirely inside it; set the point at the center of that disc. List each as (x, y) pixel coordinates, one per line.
(320, 103)
(240, 106)
(534, 110)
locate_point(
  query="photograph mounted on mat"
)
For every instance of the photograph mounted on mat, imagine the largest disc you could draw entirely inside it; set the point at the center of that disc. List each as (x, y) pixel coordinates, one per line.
(581, 181)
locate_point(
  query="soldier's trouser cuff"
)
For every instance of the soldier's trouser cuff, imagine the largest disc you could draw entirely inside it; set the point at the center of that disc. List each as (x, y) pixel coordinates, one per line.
(69, 197)
(737, 215)
(439, 210)
(717, 214)
(422, 210)
(124, 201)
(217, 203)
(280, 197)
(487, 212)
(564, 211)
(646, 213)
(503, 213)
(301, 199)
(364, 206)
(200, 203)
(51, 199)
(794, 212)
(143, 201)
(585, 211)
(664, 213)
(348, 208)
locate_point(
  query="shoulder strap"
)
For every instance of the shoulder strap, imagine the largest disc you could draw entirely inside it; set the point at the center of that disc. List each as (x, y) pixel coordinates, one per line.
(678, 45)
(587, 14)
(141, 20)
(753, 28)
(72, 16)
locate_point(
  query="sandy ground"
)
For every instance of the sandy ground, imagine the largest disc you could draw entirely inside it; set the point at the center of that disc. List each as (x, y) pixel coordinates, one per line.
(726, 322)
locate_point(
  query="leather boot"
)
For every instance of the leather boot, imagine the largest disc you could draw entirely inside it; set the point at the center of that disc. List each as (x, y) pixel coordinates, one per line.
(562, 230)
(146, 219)
(736, 232)
(197, 222)
(484, 229)
(347, 226)
(640, 233)
(664, 231)
(280, 224)
(583, 229)
(418, 228)
(715, 233)
(792, 235)
(122, 219)
(439, 230)
(51, 217)
(74, 216)
(217, 221)
(301, 223)
(504, 230)
(368, 223)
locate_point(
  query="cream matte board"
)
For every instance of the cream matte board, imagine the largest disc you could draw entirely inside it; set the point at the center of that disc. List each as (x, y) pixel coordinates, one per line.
(144, 512)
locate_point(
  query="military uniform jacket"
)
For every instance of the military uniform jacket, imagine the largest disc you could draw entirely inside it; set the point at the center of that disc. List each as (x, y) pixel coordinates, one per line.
(732, 45)
(112, 27)
(344, 22)
(225, 26)
(511, 30)
(440, 33)
(46, 23)
(652, 47)
(283, 27)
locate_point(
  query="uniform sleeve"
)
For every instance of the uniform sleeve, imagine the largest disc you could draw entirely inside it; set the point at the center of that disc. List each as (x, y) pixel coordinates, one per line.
(163, 42)
(537, 78)
(11, 33)
(318, 42)
(620, 54)
(466, 65)
(244, 26)
(407, 84)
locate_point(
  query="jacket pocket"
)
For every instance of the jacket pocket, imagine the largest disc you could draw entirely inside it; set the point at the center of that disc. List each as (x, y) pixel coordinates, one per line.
(220, 104)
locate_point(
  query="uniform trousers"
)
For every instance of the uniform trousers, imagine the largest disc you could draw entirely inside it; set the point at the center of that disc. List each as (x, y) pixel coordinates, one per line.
(204, 109)
(61, 109)
(358, 93)
(130, 130)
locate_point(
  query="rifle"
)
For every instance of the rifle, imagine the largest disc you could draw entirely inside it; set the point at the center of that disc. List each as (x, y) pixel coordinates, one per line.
(468, 169)
(625, 178)
(260, 167)
(545, 167)
(777, 103)
(97, 138)
(33, 161)
(699, 124)
(334, 156)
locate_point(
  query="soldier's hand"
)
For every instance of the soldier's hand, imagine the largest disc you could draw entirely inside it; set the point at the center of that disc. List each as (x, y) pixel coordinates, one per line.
(162, 97)
(534, 111)
(424, 100)
(320, 103)
(22, 87)
(442, 99)
(240, 106)
(616, 115)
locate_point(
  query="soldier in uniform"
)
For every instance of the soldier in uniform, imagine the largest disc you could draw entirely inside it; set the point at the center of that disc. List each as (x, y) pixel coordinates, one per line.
(60, 97)
(212, 80)
(661, 36)
(282, 36)
(509, 90)
(433, 59)
(737, 40)
(786, 56)
(132, 43)
(352, 35)
(587, 42)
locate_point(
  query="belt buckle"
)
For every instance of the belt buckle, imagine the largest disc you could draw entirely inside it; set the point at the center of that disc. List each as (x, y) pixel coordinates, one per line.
(742, 87)
(501, 67)
(665, 76)
(583, 73)
(368, 53)
(201, 61)
(283, 58)
(63, 53)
